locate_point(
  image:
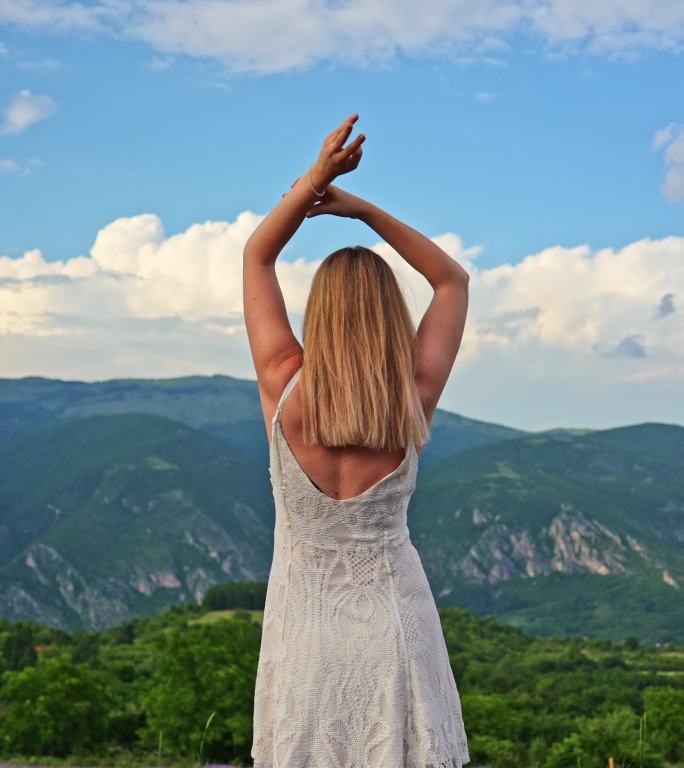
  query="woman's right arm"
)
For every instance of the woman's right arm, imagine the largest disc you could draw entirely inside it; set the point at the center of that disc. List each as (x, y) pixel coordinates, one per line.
(419, 251)
(441, 328)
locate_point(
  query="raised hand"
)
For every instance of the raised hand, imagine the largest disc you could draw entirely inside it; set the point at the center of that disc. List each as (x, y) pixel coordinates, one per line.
(334, 158)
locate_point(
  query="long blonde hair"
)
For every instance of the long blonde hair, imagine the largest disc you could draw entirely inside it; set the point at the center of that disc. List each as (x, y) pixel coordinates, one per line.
(357, 378)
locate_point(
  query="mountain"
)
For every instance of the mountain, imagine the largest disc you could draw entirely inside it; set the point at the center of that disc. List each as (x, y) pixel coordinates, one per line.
(107, 517)
(226, 407)
(560, 532)
(120, 498)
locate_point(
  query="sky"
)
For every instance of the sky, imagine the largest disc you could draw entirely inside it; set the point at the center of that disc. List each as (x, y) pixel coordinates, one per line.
(539, 142)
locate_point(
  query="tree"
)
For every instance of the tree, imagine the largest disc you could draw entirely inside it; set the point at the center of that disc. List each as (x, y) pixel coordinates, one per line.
(54, 708)
(617, 733)
(665, 718)
(567, 753)
(204, 670)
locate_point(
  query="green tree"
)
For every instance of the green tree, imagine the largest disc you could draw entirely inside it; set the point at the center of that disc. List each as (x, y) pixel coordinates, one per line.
(499, 753)
(18, 647)
(538, 752)
(617, 733)
(493, 714)
(665, 718)
(201, 670)
(567, 753)
(54, 708)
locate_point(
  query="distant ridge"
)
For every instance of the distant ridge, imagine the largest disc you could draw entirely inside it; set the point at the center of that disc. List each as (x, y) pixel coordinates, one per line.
(119, 498)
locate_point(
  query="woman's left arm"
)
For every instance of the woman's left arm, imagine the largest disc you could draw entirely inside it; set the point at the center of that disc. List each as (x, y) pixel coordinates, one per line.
(270, 335)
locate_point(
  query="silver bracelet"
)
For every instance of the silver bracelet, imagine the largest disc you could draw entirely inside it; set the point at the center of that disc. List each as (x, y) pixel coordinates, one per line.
(315, 191)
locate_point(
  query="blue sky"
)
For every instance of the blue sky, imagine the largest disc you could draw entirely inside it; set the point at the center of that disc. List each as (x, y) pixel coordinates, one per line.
(506, 135)
(552, 151)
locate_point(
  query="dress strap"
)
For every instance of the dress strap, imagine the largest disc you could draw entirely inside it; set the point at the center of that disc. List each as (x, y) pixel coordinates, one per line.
(286, 392)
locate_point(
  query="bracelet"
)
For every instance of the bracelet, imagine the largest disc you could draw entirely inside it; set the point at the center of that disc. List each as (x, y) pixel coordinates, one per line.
(316, 192)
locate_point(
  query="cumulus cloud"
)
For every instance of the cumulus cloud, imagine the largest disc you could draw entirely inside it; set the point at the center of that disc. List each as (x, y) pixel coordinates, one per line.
(580, 336)
(279, 35)
(26, 109)
(670, 139)
(59, 15)
(579, 300)
(610, 26)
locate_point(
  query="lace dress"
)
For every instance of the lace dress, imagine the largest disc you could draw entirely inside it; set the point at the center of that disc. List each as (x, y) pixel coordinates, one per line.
(353, 669)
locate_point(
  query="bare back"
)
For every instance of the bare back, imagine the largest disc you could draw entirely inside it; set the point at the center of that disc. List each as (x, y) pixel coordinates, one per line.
(339, 473)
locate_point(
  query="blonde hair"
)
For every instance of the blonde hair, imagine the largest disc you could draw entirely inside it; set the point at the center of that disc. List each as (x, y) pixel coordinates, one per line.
(357, 379)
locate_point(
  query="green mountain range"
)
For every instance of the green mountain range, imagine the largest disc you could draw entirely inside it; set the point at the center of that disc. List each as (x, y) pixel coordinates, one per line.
(119, 498)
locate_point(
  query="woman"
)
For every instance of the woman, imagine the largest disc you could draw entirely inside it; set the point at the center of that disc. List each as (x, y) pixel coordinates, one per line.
(353, 668)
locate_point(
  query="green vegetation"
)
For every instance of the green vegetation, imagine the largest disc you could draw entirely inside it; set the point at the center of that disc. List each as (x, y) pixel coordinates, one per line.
(121, 499)
(614, 606)
(177, 689)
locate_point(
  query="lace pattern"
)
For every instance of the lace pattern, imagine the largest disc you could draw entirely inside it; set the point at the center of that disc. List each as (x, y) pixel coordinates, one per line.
(353, 668)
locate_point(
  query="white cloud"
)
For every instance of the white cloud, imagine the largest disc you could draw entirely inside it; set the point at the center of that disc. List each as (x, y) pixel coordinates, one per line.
(39, 65)
(671, 139)
(611, 26)
(280, 35)
(160, 63)
(4, 52)
(10, 165)
(663, 136)
(59, 16)
(277, 35)
(26, 109)
(580, 337)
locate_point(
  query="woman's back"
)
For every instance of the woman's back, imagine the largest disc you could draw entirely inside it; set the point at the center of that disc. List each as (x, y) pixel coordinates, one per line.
(285, 462)
(339, 473)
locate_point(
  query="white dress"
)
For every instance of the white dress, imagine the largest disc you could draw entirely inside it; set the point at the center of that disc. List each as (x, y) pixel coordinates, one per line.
(353, 669)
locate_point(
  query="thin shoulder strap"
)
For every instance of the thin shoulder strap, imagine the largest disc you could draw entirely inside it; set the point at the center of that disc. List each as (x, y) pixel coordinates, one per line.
(286, 392)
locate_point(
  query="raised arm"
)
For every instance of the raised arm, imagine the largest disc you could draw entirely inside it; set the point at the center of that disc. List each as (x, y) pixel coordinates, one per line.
(441, 328)
(269, 332)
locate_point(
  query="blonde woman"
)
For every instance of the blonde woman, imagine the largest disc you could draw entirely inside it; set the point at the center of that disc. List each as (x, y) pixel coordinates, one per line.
(353, 669)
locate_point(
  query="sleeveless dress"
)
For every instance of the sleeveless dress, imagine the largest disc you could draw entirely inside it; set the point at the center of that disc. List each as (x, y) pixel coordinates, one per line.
(353, 669)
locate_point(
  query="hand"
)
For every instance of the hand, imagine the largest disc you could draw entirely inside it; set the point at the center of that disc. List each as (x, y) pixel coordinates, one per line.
(335, 159)
(338, 203)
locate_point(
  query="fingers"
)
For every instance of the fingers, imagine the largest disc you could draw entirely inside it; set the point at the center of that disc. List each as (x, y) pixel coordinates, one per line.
(356, 144)
(355, 158)
(343, 124)
(314, 211)
(352, 162)
(342, 136)
(322, 205)
(351, 148)
(348, 122)
(342, 132)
